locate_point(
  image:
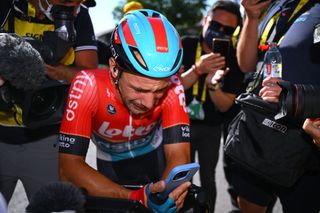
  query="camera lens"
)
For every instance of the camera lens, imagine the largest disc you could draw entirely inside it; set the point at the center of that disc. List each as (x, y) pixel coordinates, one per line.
(44, 103)
(180, 175)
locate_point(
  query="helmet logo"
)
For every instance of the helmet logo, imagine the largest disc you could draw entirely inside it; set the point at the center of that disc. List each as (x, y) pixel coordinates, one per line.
(114, 53)
(161, 69)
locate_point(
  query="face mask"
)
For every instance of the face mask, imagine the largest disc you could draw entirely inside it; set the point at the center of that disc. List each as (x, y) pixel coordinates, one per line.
(214, 32)
(210, 34)
(46, 12)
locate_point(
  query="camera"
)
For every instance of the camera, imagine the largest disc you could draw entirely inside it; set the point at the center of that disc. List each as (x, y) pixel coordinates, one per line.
(56, 44)
(40, 99)
(299, 101)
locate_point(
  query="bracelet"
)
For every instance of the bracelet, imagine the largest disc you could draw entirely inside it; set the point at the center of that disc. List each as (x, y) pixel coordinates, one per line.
(194, 69)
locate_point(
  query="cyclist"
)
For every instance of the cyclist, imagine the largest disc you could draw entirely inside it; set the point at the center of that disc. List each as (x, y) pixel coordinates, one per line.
(134, 112)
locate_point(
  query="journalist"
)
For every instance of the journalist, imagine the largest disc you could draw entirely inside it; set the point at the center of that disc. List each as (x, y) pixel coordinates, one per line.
(292, 25)
(211, 88)
(62, 33)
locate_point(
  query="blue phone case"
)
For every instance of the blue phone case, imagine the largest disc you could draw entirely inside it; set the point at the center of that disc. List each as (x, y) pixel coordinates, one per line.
(179, 175)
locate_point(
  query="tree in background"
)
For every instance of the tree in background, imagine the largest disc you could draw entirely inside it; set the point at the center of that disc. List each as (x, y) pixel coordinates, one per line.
(185, 15)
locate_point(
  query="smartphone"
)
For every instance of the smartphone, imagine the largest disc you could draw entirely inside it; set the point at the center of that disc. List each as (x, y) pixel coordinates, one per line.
(222, 46)
(179, 175)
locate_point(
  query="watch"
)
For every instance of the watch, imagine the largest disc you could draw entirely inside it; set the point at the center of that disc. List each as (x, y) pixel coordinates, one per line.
(214, 87)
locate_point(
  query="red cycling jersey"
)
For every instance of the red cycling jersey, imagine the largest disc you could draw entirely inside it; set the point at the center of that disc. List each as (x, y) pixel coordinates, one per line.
(95, 110)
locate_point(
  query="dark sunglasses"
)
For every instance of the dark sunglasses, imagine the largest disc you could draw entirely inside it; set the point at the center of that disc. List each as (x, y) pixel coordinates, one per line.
(216, 26)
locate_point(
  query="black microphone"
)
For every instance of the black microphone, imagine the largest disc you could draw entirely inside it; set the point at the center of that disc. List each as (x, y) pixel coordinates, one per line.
(56, 197)
(21, 65)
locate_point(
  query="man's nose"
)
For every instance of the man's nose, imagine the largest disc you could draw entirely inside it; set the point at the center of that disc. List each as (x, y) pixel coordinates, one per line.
(149, 100)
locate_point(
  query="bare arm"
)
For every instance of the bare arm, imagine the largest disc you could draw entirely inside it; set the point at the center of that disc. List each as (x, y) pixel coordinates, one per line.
(222, 100)
(176, 154)
(87, 59)
(73, 168)
(247, 49)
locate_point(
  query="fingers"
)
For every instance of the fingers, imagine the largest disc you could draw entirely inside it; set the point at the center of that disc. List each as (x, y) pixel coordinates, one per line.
(271, 90)
(180, 201)
(211, 62)
(254, 8)
(180, 193)
(312, 127)
(157, 187)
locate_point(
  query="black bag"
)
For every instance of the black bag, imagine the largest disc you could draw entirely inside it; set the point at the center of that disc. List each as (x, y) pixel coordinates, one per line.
(275, 150)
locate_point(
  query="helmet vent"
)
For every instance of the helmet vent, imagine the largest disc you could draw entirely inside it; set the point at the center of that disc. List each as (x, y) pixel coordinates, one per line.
(177, 59)
(144, 13)
(137, 55)
(155, 15)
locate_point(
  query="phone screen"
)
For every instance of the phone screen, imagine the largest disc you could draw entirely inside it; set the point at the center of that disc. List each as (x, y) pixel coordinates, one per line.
(222, 46)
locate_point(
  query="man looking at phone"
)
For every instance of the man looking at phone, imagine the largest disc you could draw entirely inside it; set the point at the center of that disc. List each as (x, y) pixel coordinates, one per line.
(210, 88)
(134, 112)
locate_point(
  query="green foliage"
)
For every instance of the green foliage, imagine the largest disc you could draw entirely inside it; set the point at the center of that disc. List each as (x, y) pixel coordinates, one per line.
(185, 15)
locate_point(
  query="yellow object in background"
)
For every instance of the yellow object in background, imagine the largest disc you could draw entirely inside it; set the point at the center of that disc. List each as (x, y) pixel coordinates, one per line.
(131, 6)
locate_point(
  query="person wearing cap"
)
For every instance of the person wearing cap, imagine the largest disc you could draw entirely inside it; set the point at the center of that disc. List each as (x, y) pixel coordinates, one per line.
(211, 88)
(134, 112)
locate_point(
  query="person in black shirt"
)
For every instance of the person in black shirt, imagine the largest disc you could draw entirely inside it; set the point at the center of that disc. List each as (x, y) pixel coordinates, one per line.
(210, 90)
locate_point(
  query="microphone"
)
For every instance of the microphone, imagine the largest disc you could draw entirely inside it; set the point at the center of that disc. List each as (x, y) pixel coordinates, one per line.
(21, 65)
(57, 197)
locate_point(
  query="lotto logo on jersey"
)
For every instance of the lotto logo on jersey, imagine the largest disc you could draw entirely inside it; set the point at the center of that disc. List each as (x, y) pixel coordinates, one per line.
(127, 131)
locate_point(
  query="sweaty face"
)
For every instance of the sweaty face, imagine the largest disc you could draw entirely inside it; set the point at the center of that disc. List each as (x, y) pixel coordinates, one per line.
(141, 94)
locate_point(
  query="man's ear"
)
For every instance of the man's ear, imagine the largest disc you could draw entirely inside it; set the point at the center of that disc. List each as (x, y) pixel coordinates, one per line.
(113, 68)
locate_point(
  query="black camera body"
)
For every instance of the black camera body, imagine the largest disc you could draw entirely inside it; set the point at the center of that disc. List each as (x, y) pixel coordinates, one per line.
(41, 107)
(299, 101)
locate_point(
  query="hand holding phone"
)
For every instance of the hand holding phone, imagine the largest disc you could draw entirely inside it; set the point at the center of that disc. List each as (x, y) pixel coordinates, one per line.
(179, 175)
(221, 46)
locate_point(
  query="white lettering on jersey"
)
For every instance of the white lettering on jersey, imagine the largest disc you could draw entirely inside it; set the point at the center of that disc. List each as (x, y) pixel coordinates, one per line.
(179, 91)
(127, 131)
(76, 93)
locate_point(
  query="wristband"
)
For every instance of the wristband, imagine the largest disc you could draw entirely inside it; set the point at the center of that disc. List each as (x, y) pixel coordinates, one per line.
(144, 196)
(139, 195)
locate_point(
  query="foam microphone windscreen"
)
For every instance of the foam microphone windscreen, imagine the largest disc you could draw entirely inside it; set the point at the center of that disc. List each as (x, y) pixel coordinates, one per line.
(20, 63)
(57, 197)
